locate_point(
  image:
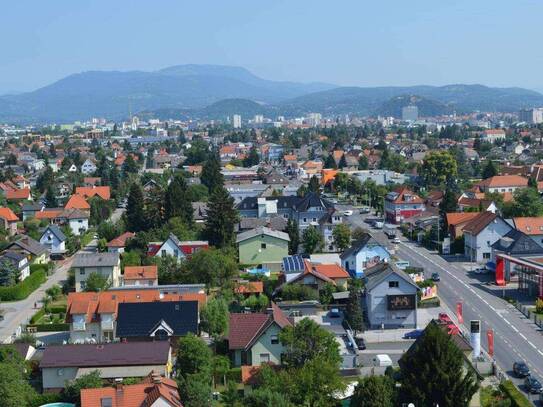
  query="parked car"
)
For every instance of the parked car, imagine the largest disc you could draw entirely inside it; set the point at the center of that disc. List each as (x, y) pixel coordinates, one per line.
(480, 270)
(521, 369)
(364, 210)
(435, 277)
(396, 240)
(335, 313)
(413, 334)
(533, 385)
(360, 344)
(348, 212)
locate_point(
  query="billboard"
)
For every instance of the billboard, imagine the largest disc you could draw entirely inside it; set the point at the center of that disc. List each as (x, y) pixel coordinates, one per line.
(401, 302)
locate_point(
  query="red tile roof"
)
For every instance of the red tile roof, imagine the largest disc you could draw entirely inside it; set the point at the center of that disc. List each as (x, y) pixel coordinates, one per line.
(498, 181)
(477, 224)
(120, 241)
(23, 193)
(455, 218)
(89, 192)
(140, 272)
(529, 225)
(77, 201)
(8, 215)
(48, 213)
(332, 271)
(402, 194)
(250, 287)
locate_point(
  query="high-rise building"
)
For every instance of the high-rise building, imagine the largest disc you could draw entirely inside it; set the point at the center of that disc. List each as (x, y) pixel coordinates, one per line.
(258, 119)
(531, 116)
(236, 121)
(314, 119)
(410, 113)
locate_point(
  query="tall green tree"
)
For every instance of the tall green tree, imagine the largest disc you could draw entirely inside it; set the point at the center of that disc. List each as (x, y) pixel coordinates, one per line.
(314, 185)
(8, 273)
(15, 391)
(211, 175)
(221, 218)
(363, 162)
(432, 372)
(449, 202)
(72, 391)
(490, 170)
(135, 213)
(154, 207)
(342, 162)
(252, 158)
(527, 202)
(329, 162)
(177, 200)
(212, 267)
(130, 166)
(294, 236)
(439, 168)
(374, 391)
(214, 318)
(312, 240)
(342, 236)
(353, 313)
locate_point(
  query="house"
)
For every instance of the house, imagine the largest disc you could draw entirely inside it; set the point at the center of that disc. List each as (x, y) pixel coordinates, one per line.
(105, 264)
(402, 204)
(493, 135)
(62, 363)
(77, 201)
(366, 252)
(516, 243)
(262, 246)
(152, 321)
(76, 219)
(8, 221)
(248, 288)
(32, 249)
(153, 391)
(390, 297)
(327, 224)
(103, 192)
(175, 248)
(25, 350)
(481, 233)
(315, 276)
(18, 261)
(31, 208)
(19, 195)
(466, 203)
(93, 316)
(88, 167)
(253, 338)
(140, 275)
(531, 226)
(502, 184)
(118, 244)
(54, 240)
(456, 222)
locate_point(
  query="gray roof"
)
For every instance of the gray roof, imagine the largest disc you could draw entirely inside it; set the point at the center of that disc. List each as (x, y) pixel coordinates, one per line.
(96, 260)
(274, 222)
(262, 231)
(30, 245)
(56, 231)
(378, 273)
(360, 244)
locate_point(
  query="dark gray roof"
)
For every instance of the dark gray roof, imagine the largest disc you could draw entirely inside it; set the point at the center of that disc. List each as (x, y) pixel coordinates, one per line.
(29, 245)
(283, 202)
(517, 242)
(108, 354)
(312, 200)
(56, 231)
(375, 275)
(32, 206)
(140, 319)
(96, 260)
(13, 257)
(360, 244)
(274, 222)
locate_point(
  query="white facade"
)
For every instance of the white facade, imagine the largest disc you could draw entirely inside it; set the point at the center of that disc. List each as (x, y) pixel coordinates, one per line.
(236, 121)
(88, 167)
(477, 248)
(79, 225)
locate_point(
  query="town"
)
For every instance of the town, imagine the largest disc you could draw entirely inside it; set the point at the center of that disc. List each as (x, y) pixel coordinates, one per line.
(219, 263)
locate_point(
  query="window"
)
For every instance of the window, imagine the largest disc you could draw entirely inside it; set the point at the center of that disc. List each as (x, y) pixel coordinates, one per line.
(274, 340)
(393, 284)
(176, 253)
(486, 255)
(106, 402)
(60, 372)
(81, 272)
(264, 357)
(305, 220)
(262, 245)
(314, 219)
(488, 242)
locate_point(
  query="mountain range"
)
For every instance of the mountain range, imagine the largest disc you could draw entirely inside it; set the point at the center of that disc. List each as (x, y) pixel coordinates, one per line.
(214, 91)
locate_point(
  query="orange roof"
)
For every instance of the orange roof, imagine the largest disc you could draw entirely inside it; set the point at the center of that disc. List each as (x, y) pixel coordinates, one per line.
(494, 131)
(529, 225)
(504, 181)
(77, 201)
(337, 154)
(228, 149)
(251, 287)
(328, 175)
(455, 218)
(120, 241)
(144, 394)
(139, 272)
(89, 192)
(290, 157)
(48, 213)
(8, 215)
(331, 270)
(23, 193)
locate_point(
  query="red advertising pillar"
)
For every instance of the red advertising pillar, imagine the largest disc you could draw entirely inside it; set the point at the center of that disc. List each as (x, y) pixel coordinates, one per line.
(500, 271)
(490, 338)
(459, 313)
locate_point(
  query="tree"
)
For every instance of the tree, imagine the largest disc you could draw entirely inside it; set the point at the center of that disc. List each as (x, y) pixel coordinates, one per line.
(221, 218)
(54, 292)
(266, 398)
(214, 318)
(490, 170)
(314, 185)
(342, 162)
(439, 168)
(358, 233)
(135, 215)
(363, 162)
(527, 202)
(100, 209)
(97, 282)
(129, 165)
(342, 236)
(211, 175)
(532, 182)
(449, 202)
(252, 158)
(8, 273)
(213, 267)
(432, 372)
(312, 240)
(177, 200)
(50, 198)
(294, 236)
(72, 391)
(154, 208)
(329, 162)
(193, 356)
(14, 388)
(353, 313)
(374, 391)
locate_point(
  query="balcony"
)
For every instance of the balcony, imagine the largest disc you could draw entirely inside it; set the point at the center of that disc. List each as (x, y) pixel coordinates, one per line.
(78, 326)
(106, 325)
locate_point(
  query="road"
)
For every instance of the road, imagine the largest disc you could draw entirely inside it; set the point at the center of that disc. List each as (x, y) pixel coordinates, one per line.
(515, 338)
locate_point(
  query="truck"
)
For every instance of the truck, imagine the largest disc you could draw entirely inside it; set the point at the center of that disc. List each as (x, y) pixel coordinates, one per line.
(382, 360)
(390, 231)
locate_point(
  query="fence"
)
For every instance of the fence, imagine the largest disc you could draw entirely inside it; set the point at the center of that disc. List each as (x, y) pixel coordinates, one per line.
(529, 312)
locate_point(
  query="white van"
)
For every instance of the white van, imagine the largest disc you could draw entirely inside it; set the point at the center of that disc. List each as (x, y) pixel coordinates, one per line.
(382, 360)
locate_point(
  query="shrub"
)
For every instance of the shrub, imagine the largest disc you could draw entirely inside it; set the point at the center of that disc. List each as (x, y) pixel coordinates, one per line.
(299, 292)
(234, 374)
(23, 289)
(38, 267)
(539, 306)
(46, 398)
(37, 316)
(58, 327)
(517, 398)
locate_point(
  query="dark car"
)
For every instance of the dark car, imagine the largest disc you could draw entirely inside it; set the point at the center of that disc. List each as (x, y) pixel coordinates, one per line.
(413, 334)
(360, 344)
(335, 313)
(533, 385)
(521, 369)
(435, 277)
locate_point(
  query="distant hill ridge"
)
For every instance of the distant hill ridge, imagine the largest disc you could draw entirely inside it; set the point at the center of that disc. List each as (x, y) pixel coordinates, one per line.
(216, 91)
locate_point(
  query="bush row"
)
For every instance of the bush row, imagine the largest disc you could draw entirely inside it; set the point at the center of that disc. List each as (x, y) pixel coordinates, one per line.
(37, 316)
(58, 327)
(23, 289)
(517, 398)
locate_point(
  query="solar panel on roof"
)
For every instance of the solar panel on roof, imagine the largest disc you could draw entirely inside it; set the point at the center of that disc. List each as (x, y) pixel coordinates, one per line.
(293, 264)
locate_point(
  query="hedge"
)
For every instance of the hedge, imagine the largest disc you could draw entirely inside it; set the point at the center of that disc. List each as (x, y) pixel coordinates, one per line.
(57, 309)
(50, 327)
(45, 398)
(234, 374)
(37, 316)
(23, 289)
(517, 398)
(38, 267)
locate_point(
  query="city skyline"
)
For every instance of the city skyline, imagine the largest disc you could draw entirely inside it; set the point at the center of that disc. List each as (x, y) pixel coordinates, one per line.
(356, 44)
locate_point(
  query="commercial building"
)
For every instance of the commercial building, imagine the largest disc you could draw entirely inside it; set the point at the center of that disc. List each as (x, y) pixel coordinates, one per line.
(410, 113)
(531, 116)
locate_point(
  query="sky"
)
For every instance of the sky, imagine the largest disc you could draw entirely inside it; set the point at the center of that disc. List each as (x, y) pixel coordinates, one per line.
(344, 42)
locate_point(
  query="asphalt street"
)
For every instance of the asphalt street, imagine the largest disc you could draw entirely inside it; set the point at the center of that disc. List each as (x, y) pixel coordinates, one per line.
(515, 338)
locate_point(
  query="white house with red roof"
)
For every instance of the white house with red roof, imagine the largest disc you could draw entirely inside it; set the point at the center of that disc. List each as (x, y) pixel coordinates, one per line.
(172, 246)
(402, 204)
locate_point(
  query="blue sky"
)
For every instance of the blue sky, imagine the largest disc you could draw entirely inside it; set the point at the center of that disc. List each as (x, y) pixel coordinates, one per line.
(346, 42)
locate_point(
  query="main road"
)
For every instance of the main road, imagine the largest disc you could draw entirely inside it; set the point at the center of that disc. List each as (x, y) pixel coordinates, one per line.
(515, 338)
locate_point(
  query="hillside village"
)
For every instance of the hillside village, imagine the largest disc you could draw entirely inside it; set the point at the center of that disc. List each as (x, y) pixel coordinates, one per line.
(200, 263)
